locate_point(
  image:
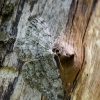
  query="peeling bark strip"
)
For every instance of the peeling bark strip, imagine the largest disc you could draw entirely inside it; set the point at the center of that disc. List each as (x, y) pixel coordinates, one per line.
(18, 15)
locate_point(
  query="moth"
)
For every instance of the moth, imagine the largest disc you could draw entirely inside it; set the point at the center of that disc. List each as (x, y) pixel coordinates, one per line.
(40, 70)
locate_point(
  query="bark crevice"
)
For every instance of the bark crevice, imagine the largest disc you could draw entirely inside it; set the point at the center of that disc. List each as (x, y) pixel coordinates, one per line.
(88, 20)
(17, 19)
(32, 3)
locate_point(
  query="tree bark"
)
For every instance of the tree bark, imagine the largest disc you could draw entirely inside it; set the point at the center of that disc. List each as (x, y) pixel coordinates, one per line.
(69, 28)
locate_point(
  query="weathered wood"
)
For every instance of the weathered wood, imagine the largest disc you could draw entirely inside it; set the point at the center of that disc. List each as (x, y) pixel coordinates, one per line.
(88, 85)
(79, 17)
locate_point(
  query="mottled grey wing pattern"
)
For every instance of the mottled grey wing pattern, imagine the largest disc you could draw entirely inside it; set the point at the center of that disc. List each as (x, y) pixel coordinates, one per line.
(37, 40)
(40, 71)
(43, 75)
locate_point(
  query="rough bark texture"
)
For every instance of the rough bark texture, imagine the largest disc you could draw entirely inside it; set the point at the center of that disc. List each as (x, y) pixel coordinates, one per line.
(30, 30)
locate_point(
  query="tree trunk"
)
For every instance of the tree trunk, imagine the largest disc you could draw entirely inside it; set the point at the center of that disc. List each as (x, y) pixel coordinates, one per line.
(49, 50)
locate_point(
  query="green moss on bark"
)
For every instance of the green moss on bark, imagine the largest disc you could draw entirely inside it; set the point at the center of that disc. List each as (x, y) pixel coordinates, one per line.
(8, 69)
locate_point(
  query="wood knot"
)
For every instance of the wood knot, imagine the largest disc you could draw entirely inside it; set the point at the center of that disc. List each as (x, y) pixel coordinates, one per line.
(63, 50)
(67, 59)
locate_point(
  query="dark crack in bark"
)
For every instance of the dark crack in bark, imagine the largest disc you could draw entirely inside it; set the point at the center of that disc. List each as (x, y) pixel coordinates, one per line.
(17, 19)
(43, 7)
(1, 92)
(71, 16)
(10, 89)
(19, 66)
(32, 3)
(1, 5)
(91, 12)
